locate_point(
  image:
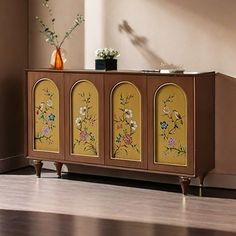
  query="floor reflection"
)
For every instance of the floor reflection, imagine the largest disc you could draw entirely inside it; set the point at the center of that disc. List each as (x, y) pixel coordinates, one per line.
(26, 223)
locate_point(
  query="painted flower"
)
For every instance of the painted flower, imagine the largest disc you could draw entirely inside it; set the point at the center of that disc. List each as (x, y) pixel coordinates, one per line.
(166, 110)
(83, 135)
(171, 142)
(78, 121)
(82, 111)
(51, 117)
(127, 139)
(164, 125)
(128, 113)
(133, 125)
(41, 106)
(49, 103)
(118, 138)
(46, 131)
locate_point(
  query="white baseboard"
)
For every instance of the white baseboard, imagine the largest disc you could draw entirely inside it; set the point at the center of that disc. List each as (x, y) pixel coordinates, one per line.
(215, 180)
(13, 162)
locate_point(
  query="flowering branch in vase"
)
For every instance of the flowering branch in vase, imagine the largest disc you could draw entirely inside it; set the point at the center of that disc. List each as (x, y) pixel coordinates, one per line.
(50, 34)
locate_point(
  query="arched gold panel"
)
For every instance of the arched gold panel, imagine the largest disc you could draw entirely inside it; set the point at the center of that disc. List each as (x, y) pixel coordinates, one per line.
(46, 116)
(85, 119)
(170, 126)
(126, 122)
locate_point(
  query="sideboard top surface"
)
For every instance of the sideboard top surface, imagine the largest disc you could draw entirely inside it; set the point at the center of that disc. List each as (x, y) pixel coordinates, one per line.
(134, 72)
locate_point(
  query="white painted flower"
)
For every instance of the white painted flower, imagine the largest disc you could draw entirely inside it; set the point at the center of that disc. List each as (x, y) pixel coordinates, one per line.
(166, 110)
(82, 111)
(78, 121)
(41, 106)
(49, 103)
(133, 125)
(128, 113)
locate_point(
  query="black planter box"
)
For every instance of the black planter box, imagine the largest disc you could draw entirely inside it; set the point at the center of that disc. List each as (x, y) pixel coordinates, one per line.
(109, 64)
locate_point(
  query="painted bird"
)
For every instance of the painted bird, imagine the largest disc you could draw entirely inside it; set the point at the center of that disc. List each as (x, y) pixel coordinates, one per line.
(178, 116)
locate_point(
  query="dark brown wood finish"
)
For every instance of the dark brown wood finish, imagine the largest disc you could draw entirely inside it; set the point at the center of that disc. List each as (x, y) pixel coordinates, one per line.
(58, 166)
(204, 124)
(199, 90)
(70, 81)
(38, 167)
(187, 84)
(185, 181)
(111, 80)
(33, 78)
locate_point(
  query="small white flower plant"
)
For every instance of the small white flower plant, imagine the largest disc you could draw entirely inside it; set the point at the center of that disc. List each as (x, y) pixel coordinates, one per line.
(106, 53)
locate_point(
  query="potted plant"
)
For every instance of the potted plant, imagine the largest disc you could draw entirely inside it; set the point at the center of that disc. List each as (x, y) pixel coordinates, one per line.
(106, 59)
(57, 60)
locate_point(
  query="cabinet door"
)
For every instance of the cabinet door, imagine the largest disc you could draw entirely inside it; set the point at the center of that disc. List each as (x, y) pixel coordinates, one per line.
(171, 124)
(125, 120)
(84, 98)
(45, 115)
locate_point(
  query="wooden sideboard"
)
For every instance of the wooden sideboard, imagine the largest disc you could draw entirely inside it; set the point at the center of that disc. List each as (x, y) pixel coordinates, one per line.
(149, 122)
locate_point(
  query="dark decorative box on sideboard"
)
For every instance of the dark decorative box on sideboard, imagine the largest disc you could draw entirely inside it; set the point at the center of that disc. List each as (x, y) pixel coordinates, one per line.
(106, 64)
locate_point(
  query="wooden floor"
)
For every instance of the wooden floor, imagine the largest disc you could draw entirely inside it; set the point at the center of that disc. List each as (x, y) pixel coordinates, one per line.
(83, 205)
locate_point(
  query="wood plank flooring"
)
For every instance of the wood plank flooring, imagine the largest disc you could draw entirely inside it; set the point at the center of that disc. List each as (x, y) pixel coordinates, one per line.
(51, 206)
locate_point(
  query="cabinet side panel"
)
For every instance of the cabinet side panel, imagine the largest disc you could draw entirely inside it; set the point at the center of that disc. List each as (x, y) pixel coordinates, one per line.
(205, 124)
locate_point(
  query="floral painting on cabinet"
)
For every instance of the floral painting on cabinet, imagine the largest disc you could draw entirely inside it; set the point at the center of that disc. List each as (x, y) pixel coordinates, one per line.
(84, 110)
(46, 116)
(171, 126)
(126, 104)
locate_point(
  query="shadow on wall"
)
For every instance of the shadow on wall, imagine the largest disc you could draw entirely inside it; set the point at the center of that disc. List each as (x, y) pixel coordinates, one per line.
(225, 124)
(141, 44)
(219, 12)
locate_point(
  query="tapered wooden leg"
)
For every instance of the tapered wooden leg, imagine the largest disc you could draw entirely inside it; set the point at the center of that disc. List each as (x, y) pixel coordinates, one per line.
(185, 181)
(58, 168)
(201, 179)
(38, 167)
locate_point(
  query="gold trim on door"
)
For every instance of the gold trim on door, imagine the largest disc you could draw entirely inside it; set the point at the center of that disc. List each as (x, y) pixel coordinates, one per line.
(170, 125)
(84, 114)
(45, 116)
(125, 101)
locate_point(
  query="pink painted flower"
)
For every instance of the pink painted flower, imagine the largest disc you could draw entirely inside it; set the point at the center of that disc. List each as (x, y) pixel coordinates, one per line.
(171, 142)
(127, 139)
(46, 131)
(83, 135)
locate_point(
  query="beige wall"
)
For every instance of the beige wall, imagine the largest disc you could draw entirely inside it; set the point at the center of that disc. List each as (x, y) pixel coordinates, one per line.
(13, 48)
(196, 35)
(64, 13)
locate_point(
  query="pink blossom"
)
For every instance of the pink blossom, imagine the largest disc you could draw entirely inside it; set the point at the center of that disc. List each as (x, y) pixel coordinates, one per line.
(171, 142)
(127, 139)
(46, 131)
(166, 110)
(83, 135)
